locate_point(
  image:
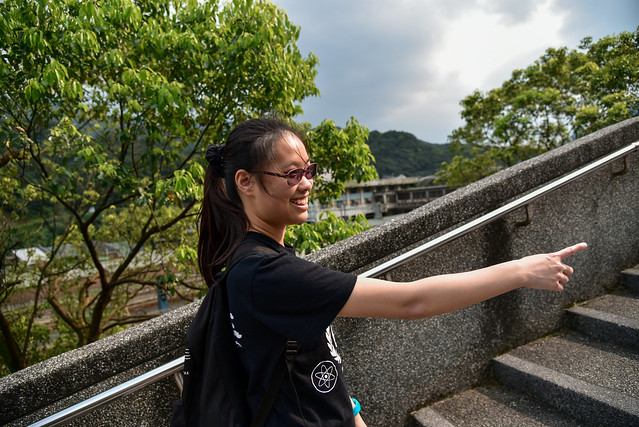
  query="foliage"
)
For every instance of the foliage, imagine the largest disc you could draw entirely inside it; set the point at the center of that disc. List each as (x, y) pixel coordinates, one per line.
(22, 323)
(401, 153)
(106, 110)
(343, 156)
(309, 237)
(564, 95)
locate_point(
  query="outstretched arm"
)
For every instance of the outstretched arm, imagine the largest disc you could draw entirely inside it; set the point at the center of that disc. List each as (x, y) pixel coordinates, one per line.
(442, 294)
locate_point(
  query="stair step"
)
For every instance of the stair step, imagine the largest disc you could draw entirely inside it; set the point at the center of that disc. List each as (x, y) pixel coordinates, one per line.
(587, 376)
(613, 318)
(593, 381)
(491, 406)
(630, 279)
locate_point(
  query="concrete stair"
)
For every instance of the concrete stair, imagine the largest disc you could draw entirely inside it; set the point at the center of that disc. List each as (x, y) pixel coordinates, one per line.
(585, 375)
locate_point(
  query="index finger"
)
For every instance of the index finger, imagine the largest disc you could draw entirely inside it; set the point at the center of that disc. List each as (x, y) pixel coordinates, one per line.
(571, 250)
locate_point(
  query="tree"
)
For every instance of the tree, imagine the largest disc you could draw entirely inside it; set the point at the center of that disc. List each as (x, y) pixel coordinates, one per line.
(344, 157)
(107, 108)
(309, 237)
(564, 95)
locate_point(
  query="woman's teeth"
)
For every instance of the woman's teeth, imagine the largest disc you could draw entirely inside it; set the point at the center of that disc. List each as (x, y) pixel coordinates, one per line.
(302, 201)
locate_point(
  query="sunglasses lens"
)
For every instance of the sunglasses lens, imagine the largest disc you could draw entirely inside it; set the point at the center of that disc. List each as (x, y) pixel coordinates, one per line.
(311, 171)
(295, 176)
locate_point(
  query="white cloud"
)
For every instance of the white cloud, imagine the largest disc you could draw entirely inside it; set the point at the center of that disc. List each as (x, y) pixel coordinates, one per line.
(405, 65)
(478, 42)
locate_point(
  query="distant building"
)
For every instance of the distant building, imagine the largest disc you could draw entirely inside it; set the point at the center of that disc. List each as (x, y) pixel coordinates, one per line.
(381, 197)
(28, 255)
(41, 253)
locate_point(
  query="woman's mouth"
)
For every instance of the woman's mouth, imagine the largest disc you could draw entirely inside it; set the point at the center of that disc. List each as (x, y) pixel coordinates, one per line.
(301, 201)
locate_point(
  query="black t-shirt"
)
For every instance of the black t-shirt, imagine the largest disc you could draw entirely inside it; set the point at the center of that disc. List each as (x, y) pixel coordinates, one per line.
(275, 297)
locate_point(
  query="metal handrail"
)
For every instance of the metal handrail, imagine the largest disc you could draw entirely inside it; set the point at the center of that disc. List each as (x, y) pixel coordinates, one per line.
(498, 213)
(134, 384)
(176, 365)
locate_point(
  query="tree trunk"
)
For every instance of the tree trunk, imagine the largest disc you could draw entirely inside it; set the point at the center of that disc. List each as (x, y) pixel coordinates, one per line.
(16, 360)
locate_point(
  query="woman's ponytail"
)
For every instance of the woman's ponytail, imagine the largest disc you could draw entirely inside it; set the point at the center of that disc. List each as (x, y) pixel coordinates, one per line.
(223, 223)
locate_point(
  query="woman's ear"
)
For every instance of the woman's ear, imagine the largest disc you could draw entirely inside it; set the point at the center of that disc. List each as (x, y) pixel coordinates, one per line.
(244, 181)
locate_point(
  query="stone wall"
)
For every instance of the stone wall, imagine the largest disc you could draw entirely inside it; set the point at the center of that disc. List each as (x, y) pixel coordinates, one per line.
(393, 366)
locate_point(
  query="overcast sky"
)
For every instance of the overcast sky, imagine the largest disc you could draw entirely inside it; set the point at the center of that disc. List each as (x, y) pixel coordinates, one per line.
(405, 64)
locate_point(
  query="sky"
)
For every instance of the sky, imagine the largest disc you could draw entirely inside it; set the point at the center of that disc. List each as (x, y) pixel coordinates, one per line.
(406, 64)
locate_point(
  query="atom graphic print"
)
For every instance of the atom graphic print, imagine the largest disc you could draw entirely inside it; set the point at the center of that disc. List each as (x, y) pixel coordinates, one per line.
(324, 376)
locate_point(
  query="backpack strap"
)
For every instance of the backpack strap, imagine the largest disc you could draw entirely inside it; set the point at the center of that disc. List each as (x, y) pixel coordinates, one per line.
(292, 348)
(283, 365)
(290, 351)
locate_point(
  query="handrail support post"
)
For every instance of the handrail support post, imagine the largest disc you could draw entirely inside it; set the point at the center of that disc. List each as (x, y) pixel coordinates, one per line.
(527, 220)
(625, 167)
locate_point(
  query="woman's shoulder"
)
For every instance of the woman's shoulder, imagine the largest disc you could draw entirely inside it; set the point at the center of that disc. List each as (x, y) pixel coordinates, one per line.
(256, 252)
(260, 255)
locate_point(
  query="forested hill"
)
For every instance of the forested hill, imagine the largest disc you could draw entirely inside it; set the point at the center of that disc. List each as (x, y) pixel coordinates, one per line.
(402, 153)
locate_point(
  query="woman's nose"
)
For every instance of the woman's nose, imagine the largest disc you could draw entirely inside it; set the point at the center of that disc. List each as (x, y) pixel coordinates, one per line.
(305, 182)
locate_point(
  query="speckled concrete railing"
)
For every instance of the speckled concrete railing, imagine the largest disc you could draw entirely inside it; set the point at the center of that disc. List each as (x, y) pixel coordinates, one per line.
(395, 366)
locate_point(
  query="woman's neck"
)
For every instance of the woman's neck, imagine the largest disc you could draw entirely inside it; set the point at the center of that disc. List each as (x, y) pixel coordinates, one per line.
(277, 235)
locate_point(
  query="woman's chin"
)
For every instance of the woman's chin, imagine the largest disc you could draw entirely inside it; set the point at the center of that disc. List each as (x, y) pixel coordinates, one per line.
(302, 218)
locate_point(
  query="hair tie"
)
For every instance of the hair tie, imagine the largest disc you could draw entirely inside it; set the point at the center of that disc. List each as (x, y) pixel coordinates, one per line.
(216, 159)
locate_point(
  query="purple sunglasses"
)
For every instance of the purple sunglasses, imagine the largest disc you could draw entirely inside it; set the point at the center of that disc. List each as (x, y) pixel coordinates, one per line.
(294, 176)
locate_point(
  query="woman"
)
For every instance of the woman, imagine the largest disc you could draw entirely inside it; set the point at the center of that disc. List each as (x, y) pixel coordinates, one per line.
(258, 183)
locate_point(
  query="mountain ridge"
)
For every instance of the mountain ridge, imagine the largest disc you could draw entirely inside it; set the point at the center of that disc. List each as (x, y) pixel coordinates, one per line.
(401, 153)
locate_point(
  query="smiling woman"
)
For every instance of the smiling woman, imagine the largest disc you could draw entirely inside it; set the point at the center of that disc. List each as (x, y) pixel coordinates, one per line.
(256, 185)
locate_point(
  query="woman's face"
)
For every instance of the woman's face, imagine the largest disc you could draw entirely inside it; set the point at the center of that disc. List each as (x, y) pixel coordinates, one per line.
(277, 204)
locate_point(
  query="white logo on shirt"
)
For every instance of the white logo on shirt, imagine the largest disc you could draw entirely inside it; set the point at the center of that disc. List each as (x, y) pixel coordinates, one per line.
(332, 345)
(324, 376)
(236, 333)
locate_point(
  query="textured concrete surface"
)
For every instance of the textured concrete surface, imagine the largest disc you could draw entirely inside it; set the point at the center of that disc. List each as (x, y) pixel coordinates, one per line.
(43, 389)
(630, 279)
(394, 367)
(613, 317)
(607, 366)
(622, 304)
(596, 404)
(586, 372)
(492, 406)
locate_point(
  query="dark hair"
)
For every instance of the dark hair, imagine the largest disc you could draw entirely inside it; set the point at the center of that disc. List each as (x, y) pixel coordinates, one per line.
(222, 221)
